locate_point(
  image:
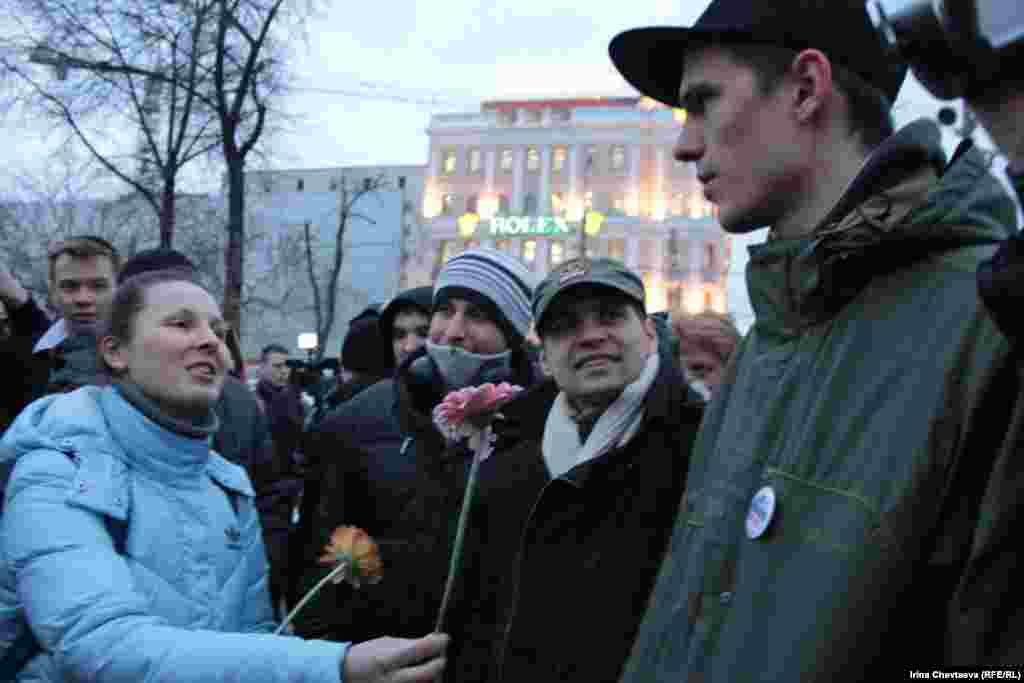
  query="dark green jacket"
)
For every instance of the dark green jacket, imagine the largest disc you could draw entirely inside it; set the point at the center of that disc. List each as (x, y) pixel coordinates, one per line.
(873, 395)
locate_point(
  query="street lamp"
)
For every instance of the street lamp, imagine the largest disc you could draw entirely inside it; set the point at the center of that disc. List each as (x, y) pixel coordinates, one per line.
(308, 342)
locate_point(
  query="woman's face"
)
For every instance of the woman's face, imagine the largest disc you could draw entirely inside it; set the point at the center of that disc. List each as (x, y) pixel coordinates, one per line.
(177, 355)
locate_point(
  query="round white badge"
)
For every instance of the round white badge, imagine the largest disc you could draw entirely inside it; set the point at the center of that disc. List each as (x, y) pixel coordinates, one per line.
(759, 516)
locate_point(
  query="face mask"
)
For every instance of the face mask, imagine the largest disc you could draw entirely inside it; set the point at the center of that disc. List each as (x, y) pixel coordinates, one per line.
(460, 368)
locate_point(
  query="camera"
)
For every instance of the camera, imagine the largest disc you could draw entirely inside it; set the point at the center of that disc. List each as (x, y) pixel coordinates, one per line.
(954, 47)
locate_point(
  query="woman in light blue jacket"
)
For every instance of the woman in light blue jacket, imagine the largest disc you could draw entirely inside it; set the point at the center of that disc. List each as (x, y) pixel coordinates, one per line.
(134, 551)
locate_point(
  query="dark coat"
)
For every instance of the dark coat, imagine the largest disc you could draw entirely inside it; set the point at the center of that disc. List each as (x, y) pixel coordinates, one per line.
(386, 469)
(558, 572)
(25, 374)
(244, 439)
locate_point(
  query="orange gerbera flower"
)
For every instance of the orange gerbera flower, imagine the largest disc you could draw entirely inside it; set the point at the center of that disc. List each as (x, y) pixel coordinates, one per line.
(354, 547)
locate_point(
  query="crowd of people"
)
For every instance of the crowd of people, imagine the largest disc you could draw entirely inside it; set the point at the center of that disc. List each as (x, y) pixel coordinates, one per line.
(831, 496)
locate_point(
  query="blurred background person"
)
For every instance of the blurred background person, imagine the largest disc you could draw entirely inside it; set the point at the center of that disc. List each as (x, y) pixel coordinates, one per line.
(707, 341)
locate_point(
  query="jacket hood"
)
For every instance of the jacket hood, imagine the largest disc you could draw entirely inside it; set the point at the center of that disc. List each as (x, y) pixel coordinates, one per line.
(49, 422)
(904, 205)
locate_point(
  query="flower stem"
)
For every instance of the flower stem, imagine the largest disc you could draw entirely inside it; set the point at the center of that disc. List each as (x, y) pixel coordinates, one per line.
(342, 566)
(460, 533)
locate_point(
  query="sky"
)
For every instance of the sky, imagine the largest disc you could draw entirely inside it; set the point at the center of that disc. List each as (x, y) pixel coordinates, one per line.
(407, 59)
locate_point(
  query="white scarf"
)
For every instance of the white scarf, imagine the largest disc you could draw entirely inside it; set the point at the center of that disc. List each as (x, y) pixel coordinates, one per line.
(562, 449)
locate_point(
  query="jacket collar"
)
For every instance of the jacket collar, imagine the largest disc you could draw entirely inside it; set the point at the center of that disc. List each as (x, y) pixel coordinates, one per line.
(895, 211)
(526, 416)
(154, 450)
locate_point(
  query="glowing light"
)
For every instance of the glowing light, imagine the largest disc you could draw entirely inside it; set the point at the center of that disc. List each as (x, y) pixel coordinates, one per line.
(488, 206)
(593, 222)
(659, 210)
(467, 225)
(656, 292)
(632, 206)
(574, 209)
(679, 115)
(693, 300)
(432, 205)
(719, 303)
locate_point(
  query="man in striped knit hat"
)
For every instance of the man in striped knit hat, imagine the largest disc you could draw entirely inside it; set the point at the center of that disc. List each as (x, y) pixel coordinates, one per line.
(390, 471)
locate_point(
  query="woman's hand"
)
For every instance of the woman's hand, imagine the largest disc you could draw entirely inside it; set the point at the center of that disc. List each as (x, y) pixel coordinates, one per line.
(396, 660)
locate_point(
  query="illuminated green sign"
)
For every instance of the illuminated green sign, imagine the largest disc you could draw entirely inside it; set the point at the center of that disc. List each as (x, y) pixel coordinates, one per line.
(529, 226)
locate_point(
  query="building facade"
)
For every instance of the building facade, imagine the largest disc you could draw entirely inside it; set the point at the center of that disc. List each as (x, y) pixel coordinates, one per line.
(549, 180)
(380, 205)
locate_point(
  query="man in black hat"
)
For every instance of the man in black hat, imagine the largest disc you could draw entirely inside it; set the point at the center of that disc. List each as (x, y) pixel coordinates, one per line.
(838, 480)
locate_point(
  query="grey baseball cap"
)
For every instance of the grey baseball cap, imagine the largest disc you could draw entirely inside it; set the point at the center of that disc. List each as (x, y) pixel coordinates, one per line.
(605, 272)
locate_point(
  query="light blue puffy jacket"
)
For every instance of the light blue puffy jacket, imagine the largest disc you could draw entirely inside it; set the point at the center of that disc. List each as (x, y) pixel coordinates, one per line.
(187, 602)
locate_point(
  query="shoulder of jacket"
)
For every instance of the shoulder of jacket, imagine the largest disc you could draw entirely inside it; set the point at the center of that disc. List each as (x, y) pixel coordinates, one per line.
(229, 475)
(98, 479)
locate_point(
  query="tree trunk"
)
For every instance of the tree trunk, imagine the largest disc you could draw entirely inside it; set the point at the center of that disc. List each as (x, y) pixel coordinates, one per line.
(234, 256)
(167, 213)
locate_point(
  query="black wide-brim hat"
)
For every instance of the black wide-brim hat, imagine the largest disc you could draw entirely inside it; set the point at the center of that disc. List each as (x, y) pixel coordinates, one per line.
(651, 59)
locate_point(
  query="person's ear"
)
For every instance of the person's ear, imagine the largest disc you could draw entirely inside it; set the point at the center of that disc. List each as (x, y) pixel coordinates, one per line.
(812, 73)
(113, 353)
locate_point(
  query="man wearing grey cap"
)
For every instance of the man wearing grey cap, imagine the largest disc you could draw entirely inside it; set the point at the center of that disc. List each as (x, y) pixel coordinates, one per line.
(848, 488)
(576, 504)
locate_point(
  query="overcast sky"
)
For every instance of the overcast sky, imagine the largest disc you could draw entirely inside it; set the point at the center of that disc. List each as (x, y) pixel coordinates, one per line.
(456, 53)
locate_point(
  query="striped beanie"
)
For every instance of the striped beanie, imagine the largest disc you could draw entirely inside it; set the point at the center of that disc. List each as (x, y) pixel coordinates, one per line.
(501, 284)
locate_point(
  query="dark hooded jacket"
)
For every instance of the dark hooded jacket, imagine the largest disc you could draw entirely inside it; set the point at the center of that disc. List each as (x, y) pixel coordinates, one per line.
(874, 398)
(386, 469)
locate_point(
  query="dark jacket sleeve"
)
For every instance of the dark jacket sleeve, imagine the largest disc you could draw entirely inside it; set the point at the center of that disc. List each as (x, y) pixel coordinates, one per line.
(25, 375)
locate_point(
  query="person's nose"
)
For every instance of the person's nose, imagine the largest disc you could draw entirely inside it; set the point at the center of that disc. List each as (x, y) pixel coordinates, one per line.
(84, 296)
(591, 331)
(455, 331)
(410, 343)
(689, 146)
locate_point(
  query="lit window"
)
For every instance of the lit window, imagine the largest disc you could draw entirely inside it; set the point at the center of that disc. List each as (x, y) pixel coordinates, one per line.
(590, 161)
(619, 204)
(448, 204)
(558, 159)
(529, 252)
(448, 162)
(532, 160)
(557, 203)
(300, 185)
(530, 204)
(475, 160)
(507, 160)
(557, 253)
(618, 158)
(676, 206)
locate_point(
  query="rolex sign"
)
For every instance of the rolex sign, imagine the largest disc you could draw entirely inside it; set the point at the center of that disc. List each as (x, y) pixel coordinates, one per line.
(529, 226)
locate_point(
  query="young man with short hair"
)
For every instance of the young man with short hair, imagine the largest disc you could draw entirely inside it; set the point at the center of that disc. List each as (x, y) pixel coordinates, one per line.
(60, 356)
(576, 504)
(838, 494)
